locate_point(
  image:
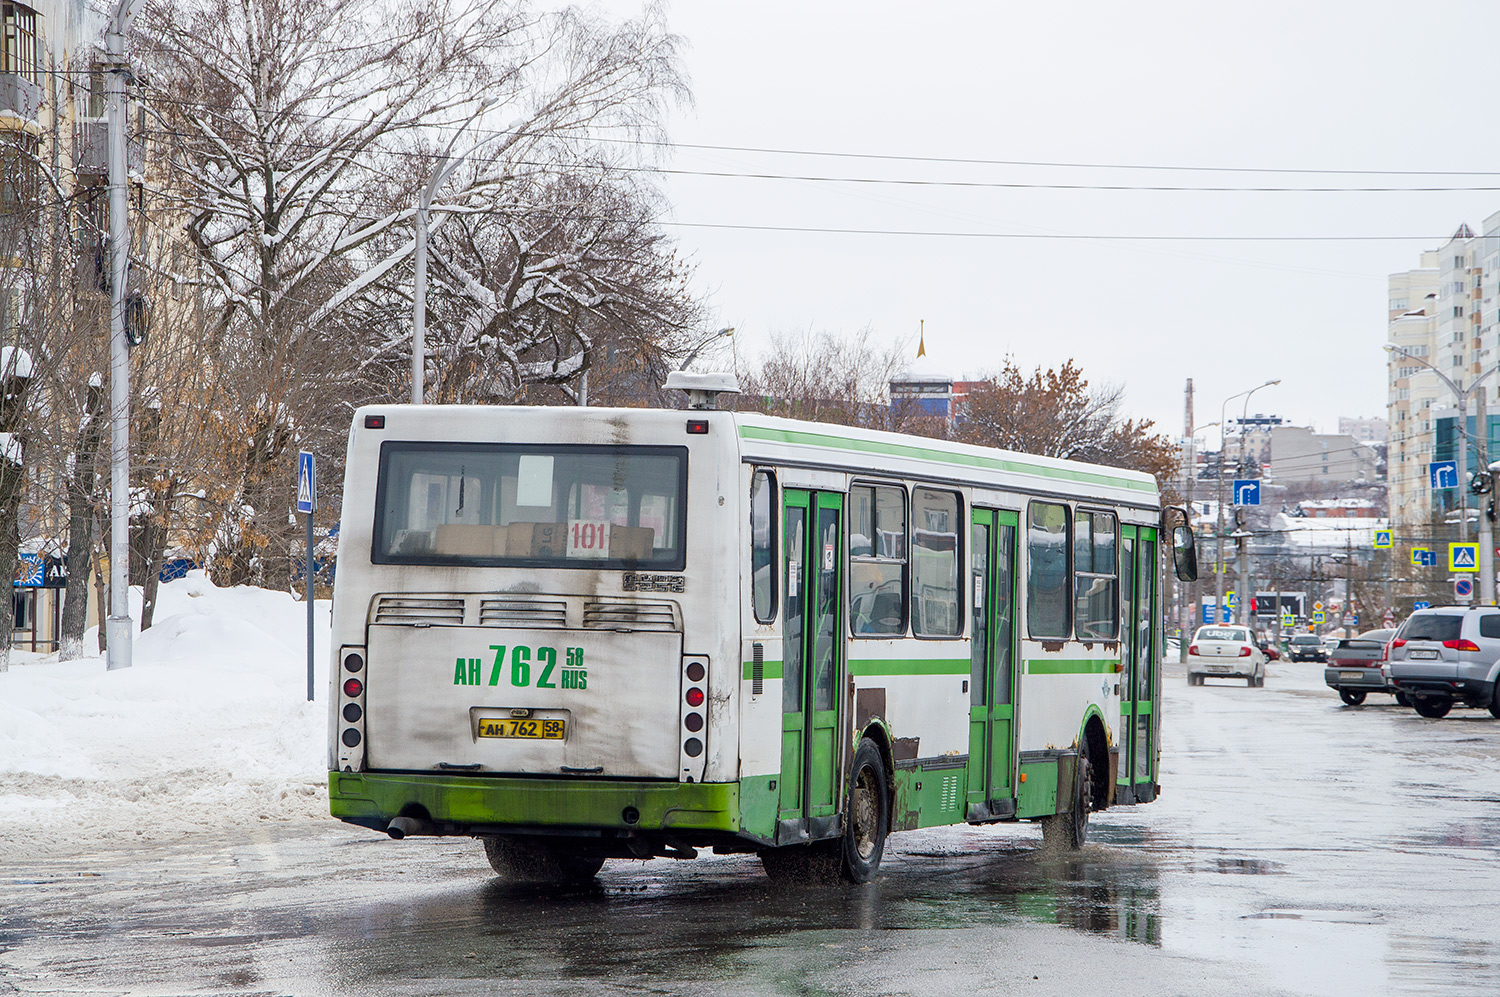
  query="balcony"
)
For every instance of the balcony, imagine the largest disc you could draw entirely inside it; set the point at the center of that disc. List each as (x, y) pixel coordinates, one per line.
(91, 149)
(19, 96)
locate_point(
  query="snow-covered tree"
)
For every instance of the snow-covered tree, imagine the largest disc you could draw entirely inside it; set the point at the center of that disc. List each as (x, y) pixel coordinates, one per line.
(297, 137)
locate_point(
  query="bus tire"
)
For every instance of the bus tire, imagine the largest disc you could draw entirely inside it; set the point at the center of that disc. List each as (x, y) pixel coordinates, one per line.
(867, 820)
(1068, 830)
(519, 860)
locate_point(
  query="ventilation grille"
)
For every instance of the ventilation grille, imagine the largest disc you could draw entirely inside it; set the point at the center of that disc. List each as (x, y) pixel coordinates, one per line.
(950, 793)
(620, 615)
(417, 611)
(541, 613)
(757, 668)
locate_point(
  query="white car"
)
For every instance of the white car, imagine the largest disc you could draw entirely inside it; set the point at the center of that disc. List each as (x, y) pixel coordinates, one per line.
(1225, 652)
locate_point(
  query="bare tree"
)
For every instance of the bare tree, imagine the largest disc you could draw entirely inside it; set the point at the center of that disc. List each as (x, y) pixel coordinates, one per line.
(297, 136)
(823, 377)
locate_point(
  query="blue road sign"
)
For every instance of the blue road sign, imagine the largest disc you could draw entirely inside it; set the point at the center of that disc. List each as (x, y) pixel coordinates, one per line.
(1444, 473)
(307, 491)
(1247, 491)
(1421, 604)
(1382, 538)
(1463, 588)
(1463, 557)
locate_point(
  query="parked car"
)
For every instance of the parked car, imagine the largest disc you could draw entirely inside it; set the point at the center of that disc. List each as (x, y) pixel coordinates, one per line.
(1225, 652)
(1305, 647)
(1354, 667)
(1447, 656)
(1268, 649)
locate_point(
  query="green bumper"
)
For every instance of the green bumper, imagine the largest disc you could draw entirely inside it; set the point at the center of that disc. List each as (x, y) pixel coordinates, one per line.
(368, 798)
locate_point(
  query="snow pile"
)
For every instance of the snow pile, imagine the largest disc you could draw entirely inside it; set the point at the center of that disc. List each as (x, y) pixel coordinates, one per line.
(209, 727)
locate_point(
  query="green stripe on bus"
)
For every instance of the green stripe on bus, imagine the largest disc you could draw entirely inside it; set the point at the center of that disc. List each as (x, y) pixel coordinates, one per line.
(769, 669)
(885, 448)
(910, 666)
(1073, 666)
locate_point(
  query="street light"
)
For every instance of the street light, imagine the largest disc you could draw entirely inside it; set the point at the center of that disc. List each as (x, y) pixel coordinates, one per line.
(707, 342)
(1219, 529)
(1190, 605)
(1461, 395)
(447, 164)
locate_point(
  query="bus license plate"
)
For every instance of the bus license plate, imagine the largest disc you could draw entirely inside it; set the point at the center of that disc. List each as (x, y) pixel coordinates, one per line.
(540, 730)
(1423, 655)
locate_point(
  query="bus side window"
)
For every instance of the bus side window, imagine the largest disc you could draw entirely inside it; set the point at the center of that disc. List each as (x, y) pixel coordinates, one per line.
(934, 563)
(1096, 602)
(877, 560)
(763, 546)
(1047, 590)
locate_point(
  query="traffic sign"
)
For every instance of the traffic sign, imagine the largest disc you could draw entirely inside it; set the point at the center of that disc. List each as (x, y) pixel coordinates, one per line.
(1318, 616)
(1246, 491)
(307, 491)
(1382, 539)
(1231, 600)
(1318, 606)
(1463, 589)
(1421, 604)
(1420, 556)
(1444, 473)
(1463, 557)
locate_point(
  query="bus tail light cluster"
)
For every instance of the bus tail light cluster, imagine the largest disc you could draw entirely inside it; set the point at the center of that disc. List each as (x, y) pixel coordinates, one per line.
(693, 730)
(350, 722)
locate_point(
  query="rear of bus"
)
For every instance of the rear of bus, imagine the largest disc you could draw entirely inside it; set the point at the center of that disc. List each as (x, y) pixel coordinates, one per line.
(535, 628)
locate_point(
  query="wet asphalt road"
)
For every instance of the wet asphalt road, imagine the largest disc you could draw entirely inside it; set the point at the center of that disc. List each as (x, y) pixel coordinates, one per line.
(1300, 847)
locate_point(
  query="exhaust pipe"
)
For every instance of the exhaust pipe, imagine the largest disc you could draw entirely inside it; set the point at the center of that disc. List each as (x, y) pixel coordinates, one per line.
(401, 827)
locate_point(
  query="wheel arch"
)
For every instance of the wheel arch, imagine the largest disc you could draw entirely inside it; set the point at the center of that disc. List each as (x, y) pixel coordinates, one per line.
(1093, 739)
(879, 732)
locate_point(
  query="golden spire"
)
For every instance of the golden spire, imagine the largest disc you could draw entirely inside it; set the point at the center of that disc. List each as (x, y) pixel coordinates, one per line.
(922, 338)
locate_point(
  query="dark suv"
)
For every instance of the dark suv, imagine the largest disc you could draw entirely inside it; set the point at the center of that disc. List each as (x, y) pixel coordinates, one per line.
(1306, 647)
(1451, 655)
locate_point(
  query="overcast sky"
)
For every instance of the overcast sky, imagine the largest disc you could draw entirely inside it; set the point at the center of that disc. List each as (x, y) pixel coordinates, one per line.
(1272, 86)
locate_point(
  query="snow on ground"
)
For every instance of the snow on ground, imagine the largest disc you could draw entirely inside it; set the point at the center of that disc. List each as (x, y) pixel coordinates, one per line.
(210, 726)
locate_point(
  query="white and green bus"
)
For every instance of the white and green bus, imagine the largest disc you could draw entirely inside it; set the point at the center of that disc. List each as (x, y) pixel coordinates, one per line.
(581, 633)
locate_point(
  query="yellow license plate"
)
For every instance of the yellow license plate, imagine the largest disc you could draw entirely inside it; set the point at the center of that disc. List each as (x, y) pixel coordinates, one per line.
(541, 730)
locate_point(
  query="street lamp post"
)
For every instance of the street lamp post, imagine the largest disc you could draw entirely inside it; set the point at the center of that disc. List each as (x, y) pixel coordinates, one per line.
(1219, 529)
(1461, 396)
(447, 164)
(1192, 610)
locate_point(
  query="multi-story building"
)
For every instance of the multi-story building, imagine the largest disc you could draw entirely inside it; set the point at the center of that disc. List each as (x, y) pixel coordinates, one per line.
(1413, 389)
(1299, 454)
(1362, 429)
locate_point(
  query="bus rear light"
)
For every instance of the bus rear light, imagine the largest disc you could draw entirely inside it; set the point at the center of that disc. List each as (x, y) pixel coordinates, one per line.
(353, 662)
(351, 737)
(695, 671)
(353, 687)
(374, 422)
(697, 427)
(352, 712)
(695, 696)
(692, 747)
(693, 722)
(1462, 644)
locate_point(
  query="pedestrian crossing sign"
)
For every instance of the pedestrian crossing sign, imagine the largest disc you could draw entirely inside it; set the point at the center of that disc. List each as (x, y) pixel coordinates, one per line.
(1382, 539)
(1463, 557)
(1420, 555)
(1317, 616)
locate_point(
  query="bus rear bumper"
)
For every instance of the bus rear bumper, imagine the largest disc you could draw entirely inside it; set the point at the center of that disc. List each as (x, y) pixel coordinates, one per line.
(470, 805)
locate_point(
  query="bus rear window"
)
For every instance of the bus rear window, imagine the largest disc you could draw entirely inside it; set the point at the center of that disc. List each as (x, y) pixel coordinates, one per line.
(505, 504)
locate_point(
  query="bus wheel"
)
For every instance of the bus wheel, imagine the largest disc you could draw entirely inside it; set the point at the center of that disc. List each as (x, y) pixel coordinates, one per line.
(868, 817)
(522, 861)
(1352, 697)
(1068, 830)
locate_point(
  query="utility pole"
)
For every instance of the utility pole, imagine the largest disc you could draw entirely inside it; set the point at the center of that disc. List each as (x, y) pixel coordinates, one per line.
(118, 625)
(1188, 620)
(1486, 534)
(1348, 584)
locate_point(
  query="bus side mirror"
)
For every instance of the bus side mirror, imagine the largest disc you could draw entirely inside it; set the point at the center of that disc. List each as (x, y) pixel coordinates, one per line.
(1184, 544)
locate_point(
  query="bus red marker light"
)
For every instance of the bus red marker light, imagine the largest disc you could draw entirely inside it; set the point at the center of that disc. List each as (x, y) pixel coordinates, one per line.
(695, 671)
(353, 662)
(352, 712)
(353, 687)
(697, 427)
(374, 422)
(695, 697)
(693, 722)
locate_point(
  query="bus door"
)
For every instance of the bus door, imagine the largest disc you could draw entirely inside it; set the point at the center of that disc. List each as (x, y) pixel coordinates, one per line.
(1141, 658)
(992, 542)
(812, 665)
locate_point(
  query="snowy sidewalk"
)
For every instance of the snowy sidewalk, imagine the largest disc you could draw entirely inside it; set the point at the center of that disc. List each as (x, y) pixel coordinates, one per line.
(210, 727)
